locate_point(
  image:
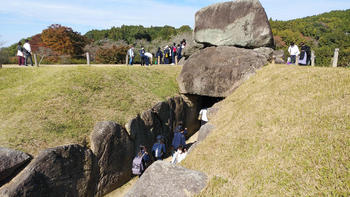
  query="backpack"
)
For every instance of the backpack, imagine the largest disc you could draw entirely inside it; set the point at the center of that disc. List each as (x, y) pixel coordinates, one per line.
(137, 165)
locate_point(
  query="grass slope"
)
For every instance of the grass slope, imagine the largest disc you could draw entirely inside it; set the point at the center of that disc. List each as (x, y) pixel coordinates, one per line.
(46, 107)
(285, 132)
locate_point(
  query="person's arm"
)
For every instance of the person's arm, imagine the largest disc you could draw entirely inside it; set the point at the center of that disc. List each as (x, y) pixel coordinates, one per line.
(163, 148)
(173, 160)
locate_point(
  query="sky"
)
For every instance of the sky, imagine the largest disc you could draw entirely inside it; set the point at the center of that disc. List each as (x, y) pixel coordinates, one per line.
(23, 18)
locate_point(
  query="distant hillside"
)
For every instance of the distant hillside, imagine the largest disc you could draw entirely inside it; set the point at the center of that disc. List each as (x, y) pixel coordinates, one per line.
(50, 106)
(130, 34)
(323, 33)
(285, 132)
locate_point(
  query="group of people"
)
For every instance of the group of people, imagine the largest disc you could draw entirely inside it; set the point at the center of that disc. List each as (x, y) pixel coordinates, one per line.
(169, 55)
(304, 54)
(179, 151)
(24, 53)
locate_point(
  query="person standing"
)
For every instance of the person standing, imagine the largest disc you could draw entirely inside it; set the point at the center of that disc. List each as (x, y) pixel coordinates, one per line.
(167, 55)
(179, 51)
(158, 149)
(203, 116)
(173, 54)
(294, 52)
(20, 54)
(27, 53)
(131, 55)
(178, 140)
(142, 55)
(159, 56)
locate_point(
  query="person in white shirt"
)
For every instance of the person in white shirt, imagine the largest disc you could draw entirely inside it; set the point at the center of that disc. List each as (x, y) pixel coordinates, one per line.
(179, 155)
(203, 116)
(150, 58)
(294, 52)
(131, 55)
(27, 53)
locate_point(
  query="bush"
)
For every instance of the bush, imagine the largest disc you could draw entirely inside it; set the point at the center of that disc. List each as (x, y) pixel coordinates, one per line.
(112, 55)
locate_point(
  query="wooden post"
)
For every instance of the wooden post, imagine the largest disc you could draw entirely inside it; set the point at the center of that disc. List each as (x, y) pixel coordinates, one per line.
(88, 58)
(313, 58)
(158, 60)
(175, 60)
(335, 58)
(35, 60)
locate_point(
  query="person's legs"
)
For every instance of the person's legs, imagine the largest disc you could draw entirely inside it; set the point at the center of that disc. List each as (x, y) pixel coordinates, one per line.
(203, 122)
(130, 61)
(293, 59)
(31, 59)
(26, 60)
(19, 60)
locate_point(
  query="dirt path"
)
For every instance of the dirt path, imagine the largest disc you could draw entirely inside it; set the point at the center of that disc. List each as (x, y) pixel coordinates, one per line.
(120, 192)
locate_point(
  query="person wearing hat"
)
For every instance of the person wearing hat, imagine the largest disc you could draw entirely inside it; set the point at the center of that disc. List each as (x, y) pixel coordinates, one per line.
(158, 149)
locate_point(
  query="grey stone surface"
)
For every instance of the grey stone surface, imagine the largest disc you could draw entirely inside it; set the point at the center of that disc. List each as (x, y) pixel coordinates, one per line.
(278, 56)
(266, 52)
(60, 171)
(240, 23)
(204, 131)
(165, 179)
(11, 162)
(217, 71)
(114, 151)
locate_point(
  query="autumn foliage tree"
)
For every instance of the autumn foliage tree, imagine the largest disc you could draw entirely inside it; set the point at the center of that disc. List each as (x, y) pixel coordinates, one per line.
(63, 40)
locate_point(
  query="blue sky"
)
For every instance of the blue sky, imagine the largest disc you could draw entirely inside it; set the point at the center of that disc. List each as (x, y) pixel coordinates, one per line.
(24, 18)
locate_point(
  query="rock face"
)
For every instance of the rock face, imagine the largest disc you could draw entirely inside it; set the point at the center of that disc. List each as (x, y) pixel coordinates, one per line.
(217, 71)
(165, 179)
(266, 52)
(240, 23)
(114, 151)
(161, 120)
(278, 56)
(61, 171)
(204, 131)
(12, 161)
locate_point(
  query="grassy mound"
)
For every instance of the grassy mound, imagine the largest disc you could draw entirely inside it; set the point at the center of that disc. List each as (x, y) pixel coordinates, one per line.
(46, 107)
(285, 132)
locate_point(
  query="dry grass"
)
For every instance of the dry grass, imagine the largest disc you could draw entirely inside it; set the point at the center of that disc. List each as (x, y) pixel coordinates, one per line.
(285, 132)
(49, 106)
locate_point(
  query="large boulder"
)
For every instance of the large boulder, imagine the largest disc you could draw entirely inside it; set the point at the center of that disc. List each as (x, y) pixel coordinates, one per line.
(240, 23)
(12, 161)
(217, 71)
(165, 179)
(114, 152)
(278, 56)
(266, 52)
(61, 171)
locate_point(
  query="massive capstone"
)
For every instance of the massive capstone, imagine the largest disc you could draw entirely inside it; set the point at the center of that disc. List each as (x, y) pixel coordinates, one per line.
(217, 71)
(240, 23)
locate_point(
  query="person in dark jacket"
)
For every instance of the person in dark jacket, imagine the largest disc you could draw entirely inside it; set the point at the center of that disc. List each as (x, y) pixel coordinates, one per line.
(179, 139)
(146, 158)
(158, 149)
(179, 51)
(167, 55)
(159, 56)
(142, 55)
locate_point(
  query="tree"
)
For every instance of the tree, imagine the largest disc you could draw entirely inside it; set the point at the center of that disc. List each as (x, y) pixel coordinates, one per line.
(63, 40)
(3, 55)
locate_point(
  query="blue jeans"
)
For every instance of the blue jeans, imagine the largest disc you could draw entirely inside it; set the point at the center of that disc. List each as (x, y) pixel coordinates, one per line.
(131, 60)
